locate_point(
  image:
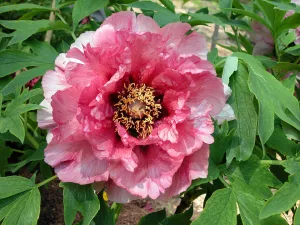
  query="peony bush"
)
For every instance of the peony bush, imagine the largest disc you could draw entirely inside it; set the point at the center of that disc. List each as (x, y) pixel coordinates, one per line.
(115, 101)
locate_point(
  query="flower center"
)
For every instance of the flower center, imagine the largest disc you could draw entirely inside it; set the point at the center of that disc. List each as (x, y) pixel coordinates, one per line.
(137, 109)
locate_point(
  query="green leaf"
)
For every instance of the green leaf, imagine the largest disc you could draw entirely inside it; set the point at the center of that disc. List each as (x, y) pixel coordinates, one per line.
(220, 209)
(231, 65)
(249, 208)
(14, 60)
(285, 6)
(297, 217)
(284, 198)
(279, 141)
(205, 18)
(43, 49)
(265, 121)
(291, 166)
(291, 132)
(223, 138)
(166, 17)
(291, 22)
(26, 28)
(274, 220)
(179, 219)
(23, 78)
(105, 215)
(14, 125)
(154, 218)
(80, 198)
(252, 177)
(295, 50)
(24, 210)
(246, 119)
(265, 87)
(83, 8)
(225, 4)
(251, 15)
(23, 6)
(169, 5)
(13, 185)
(147, 5)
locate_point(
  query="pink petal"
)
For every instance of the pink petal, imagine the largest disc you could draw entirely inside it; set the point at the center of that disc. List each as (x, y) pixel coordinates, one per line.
(44, 116)
(145, 24)
(153, 174)
(83, 40)
(208, 89)
(175, 32)
(195, 65)
(52, 82)
(118, 194)
(193, 44)
(124, 20)
(75, 162)
(193, 167)
(65, 104)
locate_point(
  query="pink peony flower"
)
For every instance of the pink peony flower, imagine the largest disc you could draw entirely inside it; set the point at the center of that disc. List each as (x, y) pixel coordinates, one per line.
(129, 108)
(262, 38)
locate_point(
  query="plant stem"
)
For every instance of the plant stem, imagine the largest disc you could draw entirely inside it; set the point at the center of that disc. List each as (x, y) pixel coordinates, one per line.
(16, 150)
(220, 63)
(235, 30)
(117, 209)
(297, 60)
(49, 33)
(47, 181)
(277, 50)
(32, 141)
(272, 162)
(223, 181)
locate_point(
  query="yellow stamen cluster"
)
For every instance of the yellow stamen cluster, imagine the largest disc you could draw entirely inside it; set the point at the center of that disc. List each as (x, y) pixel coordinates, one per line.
(137, 109)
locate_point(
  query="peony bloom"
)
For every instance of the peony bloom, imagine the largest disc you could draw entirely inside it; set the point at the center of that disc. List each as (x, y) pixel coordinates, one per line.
(129, 108)
(262, 38)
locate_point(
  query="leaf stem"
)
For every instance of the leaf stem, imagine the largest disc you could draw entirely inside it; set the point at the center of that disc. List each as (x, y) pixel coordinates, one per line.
(17, 150)
(272, 162)
(235, 30)
(46, 181)
(49, 33)
(223, 181)
(220, 63)
(277, 49)
(63, 20)
(32, 140)
(117, 209)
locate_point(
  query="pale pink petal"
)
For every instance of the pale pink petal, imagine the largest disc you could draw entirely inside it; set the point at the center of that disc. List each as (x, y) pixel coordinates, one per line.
(168, 132)
(118, 194)
(193, 167)
(83, 40)
(227, 113)
(195, 65)
(75, 162)
(124, 20)
(193, 44)
(65, 104)
(173, 33)
(52, 82)
(105, 36)
(145, 24)
(153, 174)
(44, 116)
(208, 89)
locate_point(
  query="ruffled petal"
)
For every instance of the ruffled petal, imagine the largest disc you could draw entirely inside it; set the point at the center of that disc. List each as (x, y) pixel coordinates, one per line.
(153, 174)
(44, 116)
(75, 162)
(193, 167)
(118, 194)
(124, 20)
(83, 40)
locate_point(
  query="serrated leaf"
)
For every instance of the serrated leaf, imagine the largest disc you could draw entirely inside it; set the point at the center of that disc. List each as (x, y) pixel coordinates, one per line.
(284, 198)
(220, 209)
(246, 119)
(252, 177)
(179, 219)
(80, 198)
(231, 65)
(291, 166)
(26, 28)
(25, 209)
(154, 218)
(22, 6)
(13, 185)
(13, 60)
(83, 8)
(265, 87)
